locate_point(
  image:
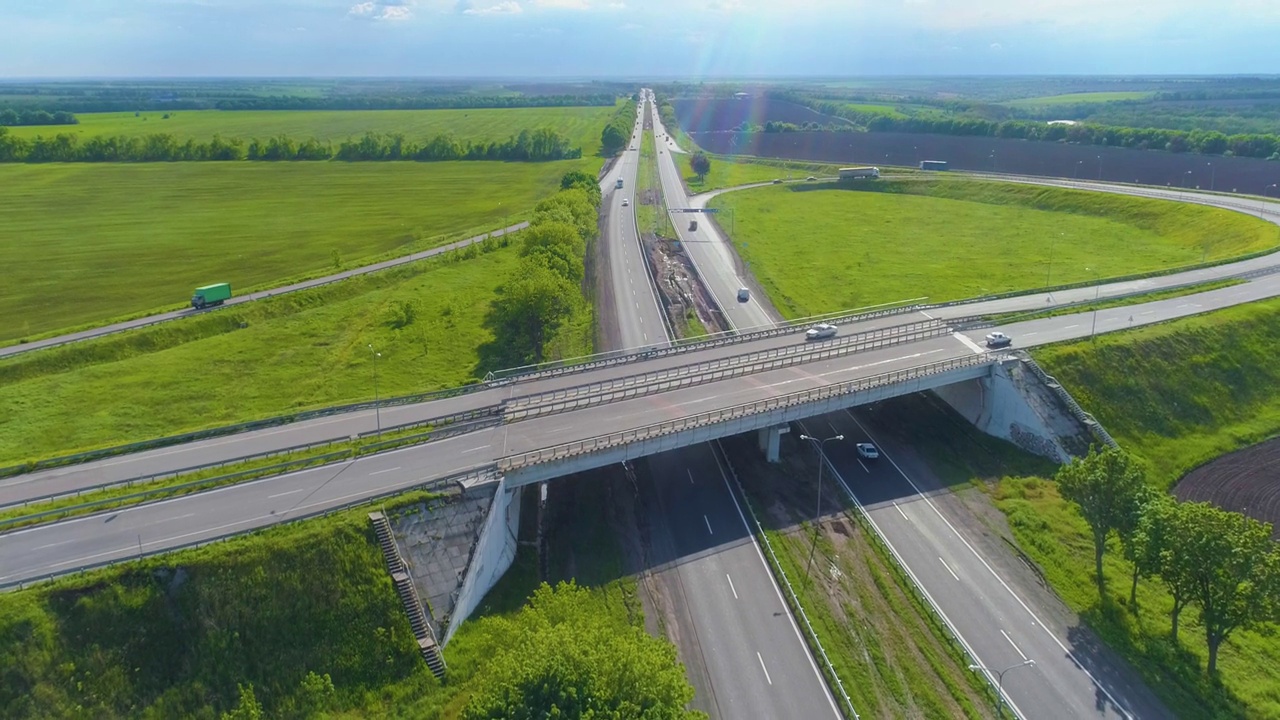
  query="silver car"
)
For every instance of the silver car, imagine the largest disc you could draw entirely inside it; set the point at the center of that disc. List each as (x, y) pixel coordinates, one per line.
(820, 332)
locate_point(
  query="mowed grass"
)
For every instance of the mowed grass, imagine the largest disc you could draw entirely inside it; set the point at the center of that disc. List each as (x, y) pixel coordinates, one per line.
(728, 172)
(1076, 98)
(582, 124)
(84, 243)
(817, 247)
(306, 349)
(1181, 393)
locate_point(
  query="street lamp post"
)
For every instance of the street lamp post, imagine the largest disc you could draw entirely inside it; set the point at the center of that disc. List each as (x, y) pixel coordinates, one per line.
(1099, 167)
(1000, 680)
(377, 404)
(1266, 189)
(1076, 175)
(1213, 176)
(1049, 273)
(1097, 289)
(822, 460)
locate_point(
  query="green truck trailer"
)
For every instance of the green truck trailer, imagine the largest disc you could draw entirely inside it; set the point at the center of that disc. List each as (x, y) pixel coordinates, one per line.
(210, 295)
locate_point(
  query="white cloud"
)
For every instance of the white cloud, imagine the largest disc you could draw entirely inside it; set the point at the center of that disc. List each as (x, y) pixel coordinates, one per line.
(562, 4)
(395, 13)
(362, 9)
(996, 47)
(509, 7)
(390, 10)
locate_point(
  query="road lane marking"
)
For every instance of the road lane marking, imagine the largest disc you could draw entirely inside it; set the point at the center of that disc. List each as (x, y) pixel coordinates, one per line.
(291, 492)
(1149, 312)
(1029, 334)
(474, 449)
(690, 475)
(1014, 644)
(969, 343)
(765, 669)
(953, 573)
(904, 515)
(864, 466)
(735, 592)
(708, 522)
(384, 471)
(64, 542)
(1070, 327)
(926, 314)
(999, 579)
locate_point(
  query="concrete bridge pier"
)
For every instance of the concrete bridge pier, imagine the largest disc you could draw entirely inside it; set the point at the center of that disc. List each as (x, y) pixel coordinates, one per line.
(771, 441)
(492, 554)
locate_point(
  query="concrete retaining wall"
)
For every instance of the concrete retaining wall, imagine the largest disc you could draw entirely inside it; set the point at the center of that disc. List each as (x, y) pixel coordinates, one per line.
(1012, 404)
(494, 552)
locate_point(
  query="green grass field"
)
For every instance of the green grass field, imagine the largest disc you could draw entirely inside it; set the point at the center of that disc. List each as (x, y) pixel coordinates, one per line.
(729, 172)
(301, 350)
(818, 248)
(877, 109)
(1179, 394)
(582, 124)
(85, 243)
(1076, 98)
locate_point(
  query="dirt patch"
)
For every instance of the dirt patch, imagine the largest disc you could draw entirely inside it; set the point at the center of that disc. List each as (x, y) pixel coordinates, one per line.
(1246, 481)
(679, 287)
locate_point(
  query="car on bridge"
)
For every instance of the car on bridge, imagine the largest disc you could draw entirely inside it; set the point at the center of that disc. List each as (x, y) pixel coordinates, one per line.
(820, 331)
(867, 451)
(625, 202)
(998, 339)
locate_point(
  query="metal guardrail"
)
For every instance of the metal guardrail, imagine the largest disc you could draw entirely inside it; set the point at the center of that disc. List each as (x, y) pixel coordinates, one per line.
(609, 440)
(280, 468)
(1080, 414)
(782, 574)
(630, 391)
(920, 591)
(457, 478)
(897, 332)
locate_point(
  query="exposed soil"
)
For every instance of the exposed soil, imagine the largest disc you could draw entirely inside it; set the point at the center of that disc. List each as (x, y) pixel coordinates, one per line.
(679, 286)
(1246, 481)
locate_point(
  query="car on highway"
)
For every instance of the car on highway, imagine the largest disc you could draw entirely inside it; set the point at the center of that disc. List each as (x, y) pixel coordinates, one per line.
(820, 332)
(743, 294)
(811, 178)
(867, 451)
(998, 339)
(777, 181)
(625, 202)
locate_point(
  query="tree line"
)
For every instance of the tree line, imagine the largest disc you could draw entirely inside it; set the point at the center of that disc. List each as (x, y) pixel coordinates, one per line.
(546, 292)
(131, 100)
(617, 131)
(35, 116)
(1223, 564)
(1255, 145)
(538, 145)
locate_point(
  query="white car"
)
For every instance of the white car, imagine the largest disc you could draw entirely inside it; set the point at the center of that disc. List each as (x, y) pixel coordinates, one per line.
(998, 339)
(625, 202)
(867, 451)
(820, 331)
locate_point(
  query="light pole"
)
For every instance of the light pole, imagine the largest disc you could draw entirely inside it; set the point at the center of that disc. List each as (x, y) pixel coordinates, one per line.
(1099, 167)
(1213, 175)
(822, 460)
(1000, 680)
(1049, 273)
(1097, 289)
(377, 404)
(1076, 174)
(1267, 188)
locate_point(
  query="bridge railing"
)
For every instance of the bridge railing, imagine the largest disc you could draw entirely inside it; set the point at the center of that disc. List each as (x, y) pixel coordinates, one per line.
(625, 437)
(884, 337)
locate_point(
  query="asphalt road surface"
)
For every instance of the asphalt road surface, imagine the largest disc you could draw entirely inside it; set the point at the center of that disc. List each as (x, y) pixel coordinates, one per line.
(999, 625)
(250, 297)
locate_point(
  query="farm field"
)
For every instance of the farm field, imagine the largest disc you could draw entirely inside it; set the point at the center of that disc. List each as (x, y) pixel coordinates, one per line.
(818, 247)
(85, 243)
(713, 115)
(263, 359)
(1077, 98)
(582, 124)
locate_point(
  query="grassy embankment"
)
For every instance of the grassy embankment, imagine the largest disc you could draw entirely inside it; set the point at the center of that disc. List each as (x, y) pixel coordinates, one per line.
(91, 242)
(730, 172)
(890, 652)
(582, 124)
(306, 349)
(174, 636)
(819, 248)
(1176, 395)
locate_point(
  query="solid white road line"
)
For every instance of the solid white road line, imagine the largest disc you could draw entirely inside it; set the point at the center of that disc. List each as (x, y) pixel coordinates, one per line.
(1014, 644)
(864, 466)
(291, 492)
(765, 669)
(953, 572)
(708, 522)
(735, 592)
(380, 472)
(904, 515)
(690, 475)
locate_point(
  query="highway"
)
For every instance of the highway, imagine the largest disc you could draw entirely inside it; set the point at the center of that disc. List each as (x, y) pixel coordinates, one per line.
(248, 297)
(996, 622)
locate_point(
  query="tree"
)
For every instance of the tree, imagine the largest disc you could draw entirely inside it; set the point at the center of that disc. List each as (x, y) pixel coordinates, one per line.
(1235, 565)
(578, 180)
(613, 138)
(557, 245)
(1107, 486)
(559, 659)
(533, 305)
(701, 164)
(247, 708)
(1127, 529)
(1162, 547)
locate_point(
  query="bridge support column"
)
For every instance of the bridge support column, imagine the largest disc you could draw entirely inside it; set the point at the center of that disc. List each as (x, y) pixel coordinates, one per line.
(771, 441)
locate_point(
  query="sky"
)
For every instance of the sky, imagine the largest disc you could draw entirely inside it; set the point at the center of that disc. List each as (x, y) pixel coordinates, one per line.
(634, 38)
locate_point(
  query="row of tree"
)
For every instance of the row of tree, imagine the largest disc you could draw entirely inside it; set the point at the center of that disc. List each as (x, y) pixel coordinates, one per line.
(135, 99)
(547, 291)
(1199, 141)
(529, 145)
(617, 132)
(34, 116)
(1221, 563)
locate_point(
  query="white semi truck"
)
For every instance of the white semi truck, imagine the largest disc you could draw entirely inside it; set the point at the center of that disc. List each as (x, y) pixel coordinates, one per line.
(859, 173)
